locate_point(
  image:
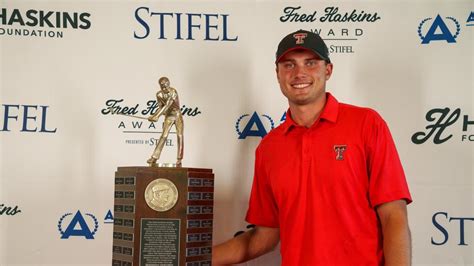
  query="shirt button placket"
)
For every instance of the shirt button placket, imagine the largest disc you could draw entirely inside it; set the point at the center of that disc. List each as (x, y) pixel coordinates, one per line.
(306, 147)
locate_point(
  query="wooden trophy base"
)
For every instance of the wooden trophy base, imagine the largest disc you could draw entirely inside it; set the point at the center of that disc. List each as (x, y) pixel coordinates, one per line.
(163, 216)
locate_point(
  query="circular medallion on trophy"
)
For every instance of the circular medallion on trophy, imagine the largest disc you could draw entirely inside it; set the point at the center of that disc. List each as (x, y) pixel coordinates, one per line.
(161, 194)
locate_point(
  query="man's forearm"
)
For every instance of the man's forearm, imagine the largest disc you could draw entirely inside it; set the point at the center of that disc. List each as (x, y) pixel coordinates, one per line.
(246, 246)
(397, 246)
(232, 251)
(396, 235)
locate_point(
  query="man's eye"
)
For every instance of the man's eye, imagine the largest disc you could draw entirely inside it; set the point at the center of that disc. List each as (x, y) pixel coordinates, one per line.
(288, 65)
(311, 63)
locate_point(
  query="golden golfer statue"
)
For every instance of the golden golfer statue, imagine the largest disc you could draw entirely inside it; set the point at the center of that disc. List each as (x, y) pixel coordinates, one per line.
(168, 101)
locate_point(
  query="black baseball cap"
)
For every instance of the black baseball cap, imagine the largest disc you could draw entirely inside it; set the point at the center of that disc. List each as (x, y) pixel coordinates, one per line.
(303, 39)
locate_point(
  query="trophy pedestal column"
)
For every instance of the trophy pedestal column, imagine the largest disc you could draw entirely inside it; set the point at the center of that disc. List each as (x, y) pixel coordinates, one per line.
(163, 216)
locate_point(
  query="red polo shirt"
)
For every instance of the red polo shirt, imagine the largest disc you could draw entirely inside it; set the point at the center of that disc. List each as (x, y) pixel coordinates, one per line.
(320, 186)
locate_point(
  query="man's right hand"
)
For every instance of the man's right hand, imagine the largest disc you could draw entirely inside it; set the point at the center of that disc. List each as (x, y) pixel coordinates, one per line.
(246, 246)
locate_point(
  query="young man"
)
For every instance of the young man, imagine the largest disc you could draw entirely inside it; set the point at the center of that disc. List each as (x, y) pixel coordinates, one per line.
(328, 182)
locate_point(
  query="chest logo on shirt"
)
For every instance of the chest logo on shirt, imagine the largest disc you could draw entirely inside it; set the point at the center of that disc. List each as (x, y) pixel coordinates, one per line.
(340, 149)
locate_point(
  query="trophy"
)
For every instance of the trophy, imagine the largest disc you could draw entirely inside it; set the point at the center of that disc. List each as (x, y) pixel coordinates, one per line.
(163, 213)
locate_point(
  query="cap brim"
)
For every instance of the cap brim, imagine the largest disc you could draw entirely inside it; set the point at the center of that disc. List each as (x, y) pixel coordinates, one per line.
(299, 48)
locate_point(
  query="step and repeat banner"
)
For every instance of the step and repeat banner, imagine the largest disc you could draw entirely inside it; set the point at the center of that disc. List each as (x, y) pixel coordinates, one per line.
(66, 64)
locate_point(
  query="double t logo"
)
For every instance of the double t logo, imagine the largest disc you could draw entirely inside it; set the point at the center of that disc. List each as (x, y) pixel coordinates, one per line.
(340, 149)
(300, 37)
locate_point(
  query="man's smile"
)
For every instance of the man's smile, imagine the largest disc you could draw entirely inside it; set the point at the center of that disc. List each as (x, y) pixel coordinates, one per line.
(301, 85)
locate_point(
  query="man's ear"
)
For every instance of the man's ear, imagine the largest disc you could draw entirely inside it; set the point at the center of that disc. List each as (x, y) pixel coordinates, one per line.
(329, 68)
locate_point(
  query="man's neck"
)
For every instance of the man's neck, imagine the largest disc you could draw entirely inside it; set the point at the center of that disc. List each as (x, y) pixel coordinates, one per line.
(306, 115)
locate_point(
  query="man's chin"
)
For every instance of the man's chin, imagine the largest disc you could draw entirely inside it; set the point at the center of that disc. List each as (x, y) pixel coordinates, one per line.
(300, 102)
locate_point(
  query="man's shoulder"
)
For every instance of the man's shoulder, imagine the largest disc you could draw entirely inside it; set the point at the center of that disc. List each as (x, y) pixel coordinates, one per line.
(273, 136)
(363, 113)
(355, 108)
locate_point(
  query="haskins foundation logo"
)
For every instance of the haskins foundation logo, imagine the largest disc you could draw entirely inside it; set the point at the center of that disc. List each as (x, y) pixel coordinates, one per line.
(341, 28)
(39, 23)
(442, 119)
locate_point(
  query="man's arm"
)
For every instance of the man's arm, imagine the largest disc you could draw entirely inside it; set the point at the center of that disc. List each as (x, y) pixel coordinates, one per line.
(396, 233)
(246, 246)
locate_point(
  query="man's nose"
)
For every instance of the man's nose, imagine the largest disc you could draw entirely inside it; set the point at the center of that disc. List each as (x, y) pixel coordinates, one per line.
(300, 71)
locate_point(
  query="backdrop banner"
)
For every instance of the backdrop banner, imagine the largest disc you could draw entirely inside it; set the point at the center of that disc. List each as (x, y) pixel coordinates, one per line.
(66, 64)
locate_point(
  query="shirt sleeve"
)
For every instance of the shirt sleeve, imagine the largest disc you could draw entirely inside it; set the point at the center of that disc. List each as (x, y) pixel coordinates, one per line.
(262, 209)
(387, 180)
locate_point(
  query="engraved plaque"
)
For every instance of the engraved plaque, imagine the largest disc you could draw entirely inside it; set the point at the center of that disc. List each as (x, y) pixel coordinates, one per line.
(159, 242)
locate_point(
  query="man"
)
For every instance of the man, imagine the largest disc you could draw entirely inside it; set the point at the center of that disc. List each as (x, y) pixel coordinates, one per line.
(168, 101)
(328, 182)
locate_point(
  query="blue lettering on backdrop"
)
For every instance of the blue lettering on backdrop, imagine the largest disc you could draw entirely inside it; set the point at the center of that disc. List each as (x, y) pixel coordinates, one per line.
(445, 232)
(254, 127)
(283, 118)
(208, 37)
(7, 116)
(162, 23)
(470, 19)
(109, 218)
(79, 223)
(191, 25)
(210, 24)
(439, 31)
(440, 228)
(143, 23)
(28, 117)
(258, 132)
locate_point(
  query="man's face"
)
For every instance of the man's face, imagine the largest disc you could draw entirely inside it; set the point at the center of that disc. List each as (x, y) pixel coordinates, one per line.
(302, 76)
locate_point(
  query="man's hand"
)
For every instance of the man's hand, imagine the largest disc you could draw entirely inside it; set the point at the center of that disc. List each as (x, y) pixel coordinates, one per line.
(246, 246)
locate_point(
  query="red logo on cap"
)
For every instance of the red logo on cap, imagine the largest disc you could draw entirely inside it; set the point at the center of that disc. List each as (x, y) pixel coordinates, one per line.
(300, 37)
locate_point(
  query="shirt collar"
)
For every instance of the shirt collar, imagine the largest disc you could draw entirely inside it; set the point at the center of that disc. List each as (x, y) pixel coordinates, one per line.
(329, 113)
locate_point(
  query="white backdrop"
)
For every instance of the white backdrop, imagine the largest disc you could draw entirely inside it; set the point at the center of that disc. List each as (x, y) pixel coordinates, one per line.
(59, 152)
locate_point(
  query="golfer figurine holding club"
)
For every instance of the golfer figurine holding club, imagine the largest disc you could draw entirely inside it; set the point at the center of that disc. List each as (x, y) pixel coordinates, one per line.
(168, 102)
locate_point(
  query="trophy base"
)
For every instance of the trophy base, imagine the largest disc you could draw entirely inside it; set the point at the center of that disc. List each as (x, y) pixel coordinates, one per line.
(185, 226)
